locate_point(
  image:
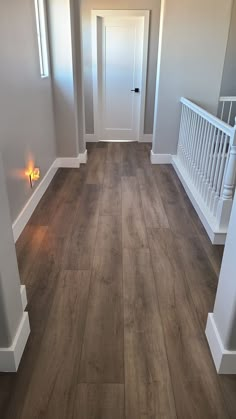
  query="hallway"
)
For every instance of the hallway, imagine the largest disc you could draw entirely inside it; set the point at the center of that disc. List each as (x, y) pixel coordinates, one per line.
(120, 277)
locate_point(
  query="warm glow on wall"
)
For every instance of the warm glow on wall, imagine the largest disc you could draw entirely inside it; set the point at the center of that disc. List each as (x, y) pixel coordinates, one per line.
(33, 174)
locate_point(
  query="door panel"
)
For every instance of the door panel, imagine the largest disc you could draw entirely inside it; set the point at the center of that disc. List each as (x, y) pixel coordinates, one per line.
(122, 72)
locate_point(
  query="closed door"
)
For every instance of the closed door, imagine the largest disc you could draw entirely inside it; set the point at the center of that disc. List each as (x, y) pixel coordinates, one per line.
(121, 77)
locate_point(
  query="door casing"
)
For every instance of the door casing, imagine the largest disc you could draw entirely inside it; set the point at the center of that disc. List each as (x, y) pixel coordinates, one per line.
(97, 63)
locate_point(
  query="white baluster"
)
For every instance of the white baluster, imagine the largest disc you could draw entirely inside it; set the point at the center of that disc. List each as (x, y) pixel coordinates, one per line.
(201, 158)
(222, 111)
(198, 127)
(230, 111)
(210, 165)
(198, 150)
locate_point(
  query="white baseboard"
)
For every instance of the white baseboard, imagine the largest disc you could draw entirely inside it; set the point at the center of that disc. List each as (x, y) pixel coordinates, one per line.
(91, 138)
(161, 158)
(83, 157)
(68, 162)
(146, 138)
(208, 221)
(225, 361)
(10, 357)
(23, 297)
(24, 216)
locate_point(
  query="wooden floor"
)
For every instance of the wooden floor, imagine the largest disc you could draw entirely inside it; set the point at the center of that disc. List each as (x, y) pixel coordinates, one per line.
(120, 276)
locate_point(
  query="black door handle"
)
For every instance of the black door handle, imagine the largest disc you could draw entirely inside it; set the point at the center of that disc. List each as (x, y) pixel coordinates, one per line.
(136, 90)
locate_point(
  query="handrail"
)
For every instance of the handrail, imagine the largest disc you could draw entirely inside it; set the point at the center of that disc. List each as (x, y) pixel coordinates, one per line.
(207, 154)
(218, 123)
(227, 99)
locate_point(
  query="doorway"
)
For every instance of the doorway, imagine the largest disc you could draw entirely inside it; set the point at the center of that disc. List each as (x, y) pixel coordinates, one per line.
(120, 50)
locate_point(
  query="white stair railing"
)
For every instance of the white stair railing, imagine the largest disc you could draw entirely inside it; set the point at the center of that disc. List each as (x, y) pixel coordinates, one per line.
(206, 162)
(227, 109)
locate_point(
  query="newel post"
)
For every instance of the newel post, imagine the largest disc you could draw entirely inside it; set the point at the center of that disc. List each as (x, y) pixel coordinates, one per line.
(226, 199)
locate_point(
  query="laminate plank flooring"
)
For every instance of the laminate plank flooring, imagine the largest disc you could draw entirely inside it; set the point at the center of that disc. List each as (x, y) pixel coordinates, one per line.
(183, 333)
(148, 386)
(105, 401)
(133, 226)
(120, 276)
(53, 395)
(102, 356)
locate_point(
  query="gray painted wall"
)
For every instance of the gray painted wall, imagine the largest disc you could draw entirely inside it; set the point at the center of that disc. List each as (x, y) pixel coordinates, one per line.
(78, 71)
(192, 53)
(26, 112)
(228, 87)
(86, 8)
(59, 17)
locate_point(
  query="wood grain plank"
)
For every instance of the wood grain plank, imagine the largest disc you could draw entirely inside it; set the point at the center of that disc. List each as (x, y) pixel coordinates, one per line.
(105, 401)
(128, 161)
(79, 246)
(111, 192)
(148, 388)
(96, 169)
(112, 175)
(109, 234)
(111, 201)
(48, 205)
(45, 265)
(133, 225)
(197, 395)
(201, 278)
(63, 220)
(27, 248)
(173, 194)
(52, 395)
(114, 152)
(102, 358)
(153, 209)
(179, 218)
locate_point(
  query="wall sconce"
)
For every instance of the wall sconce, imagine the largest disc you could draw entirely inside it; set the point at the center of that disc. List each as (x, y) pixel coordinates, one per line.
(34, 175)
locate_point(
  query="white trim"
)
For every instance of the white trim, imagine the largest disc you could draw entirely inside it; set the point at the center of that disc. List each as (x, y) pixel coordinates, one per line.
(83, 157)
(226, 128)
(146, 138)
(225, 361)
(227, 99)
(91, 138)
(24, 216)
(216, 236)
(10, 357)
(161, 158)
(96, 86)
(68, 162)
(23, 297)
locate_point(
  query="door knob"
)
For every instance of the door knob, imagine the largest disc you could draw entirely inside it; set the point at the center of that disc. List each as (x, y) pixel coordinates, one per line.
(136, 90)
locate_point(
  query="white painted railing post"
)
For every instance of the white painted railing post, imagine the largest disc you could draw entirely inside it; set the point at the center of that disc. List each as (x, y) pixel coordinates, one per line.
(14, 322)
(226, 198)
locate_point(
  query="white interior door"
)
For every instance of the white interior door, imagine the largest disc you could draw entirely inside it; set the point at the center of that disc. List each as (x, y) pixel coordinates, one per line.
(121, 67)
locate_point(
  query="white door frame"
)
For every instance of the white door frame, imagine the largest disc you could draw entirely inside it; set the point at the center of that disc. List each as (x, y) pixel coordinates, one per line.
(97, 63)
